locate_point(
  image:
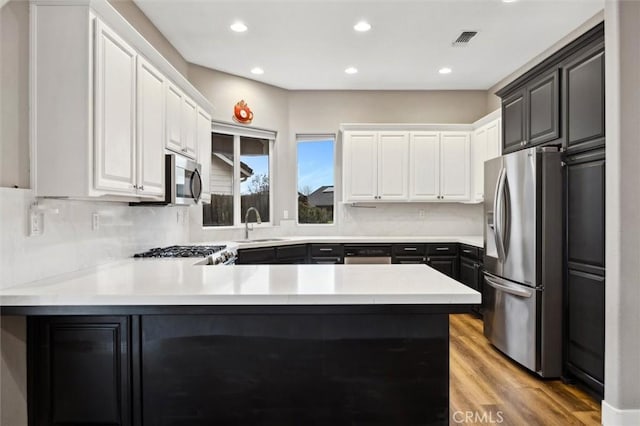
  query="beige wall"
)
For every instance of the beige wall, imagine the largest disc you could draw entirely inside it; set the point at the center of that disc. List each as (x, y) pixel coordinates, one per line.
(135, 16)
(493, 102)
(270, 106)
(14, 86)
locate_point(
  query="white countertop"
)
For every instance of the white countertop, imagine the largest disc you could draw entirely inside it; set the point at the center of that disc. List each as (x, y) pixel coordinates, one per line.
(473, 240)
(182, 282)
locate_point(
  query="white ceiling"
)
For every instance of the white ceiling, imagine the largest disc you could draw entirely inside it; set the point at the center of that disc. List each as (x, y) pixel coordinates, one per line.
(307, 44)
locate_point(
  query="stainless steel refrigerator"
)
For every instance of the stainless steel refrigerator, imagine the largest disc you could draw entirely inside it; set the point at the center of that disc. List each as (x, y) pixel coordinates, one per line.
(523, 258)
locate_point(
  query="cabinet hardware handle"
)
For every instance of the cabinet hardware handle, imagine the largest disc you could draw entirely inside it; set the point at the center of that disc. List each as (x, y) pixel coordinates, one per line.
(410, 248)
(442, 248)
(466, 251)
(135, 186)
(326, 249)
(141, 188)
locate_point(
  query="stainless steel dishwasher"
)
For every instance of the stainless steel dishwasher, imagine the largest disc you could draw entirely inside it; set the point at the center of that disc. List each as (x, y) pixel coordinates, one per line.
(367, 254)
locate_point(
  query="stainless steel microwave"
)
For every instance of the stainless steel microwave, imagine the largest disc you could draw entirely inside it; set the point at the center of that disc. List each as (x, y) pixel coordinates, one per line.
(183, 181)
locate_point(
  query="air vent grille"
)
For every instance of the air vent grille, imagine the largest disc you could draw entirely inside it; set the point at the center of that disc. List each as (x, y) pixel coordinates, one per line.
(464, 38)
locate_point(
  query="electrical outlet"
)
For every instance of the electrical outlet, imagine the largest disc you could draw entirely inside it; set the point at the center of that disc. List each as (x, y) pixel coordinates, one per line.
(95, 221)
(36, 222)
(421, 214)
(285, 214)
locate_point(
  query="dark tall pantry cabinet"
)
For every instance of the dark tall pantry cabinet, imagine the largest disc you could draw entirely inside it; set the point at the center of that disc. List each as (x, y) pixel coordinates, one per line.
(561, 102)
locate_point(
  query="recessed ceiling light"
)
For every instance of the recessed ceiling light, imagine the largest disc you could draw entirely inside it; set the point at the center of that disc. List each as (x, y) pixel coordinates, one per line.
(351, 70)
(362, 26)
(257, 70)
(509, 1)
(444, 70)
(238, 27)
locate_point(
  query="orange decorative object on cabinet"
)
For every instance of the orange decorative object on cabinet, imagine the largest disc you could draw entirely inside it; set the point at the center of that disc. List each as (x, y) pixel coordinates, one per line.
(242, 113)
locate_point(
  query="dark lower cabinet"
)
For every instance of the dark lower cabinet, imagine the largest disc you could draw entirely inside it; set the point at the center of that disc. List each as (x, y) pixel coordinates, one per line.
(470, 272)
(448, 265)
(585, 269)
(79, 371)
(256, 256)
(585, 343)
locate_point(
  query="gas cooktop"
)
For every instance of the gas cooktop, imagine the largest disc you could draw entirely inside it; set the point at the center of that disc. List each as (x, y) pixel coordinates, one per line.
(181, 251)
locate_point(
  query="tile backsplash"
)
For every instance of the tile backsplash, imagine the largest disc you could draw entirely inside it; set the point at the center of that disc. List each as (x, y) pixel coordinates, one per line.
(69, 243)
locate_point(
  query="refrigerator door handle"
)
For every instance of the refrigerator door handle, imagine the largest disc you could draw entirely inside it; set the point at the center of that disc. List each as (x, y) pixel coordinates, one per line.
(508, 288)
(497, 208)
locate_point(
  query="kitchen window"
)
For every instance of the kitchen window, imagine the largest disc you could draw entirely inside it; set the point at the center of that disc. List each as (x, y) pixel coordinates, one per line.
(316, 178)
(240, 175)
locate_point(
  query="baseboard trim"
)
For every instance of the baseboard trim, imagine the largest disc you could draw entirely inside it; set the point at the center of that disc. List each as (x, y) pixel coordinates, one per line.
(612, 416)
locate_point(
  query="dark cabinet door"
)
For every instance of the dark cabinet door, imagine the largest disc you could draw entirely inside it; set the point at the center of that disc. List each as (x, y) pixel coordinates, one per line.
(543, 109)
(448, 265)
(584, 94)
(513, 122)
(585, 342)
(585, 273)
(264, 255)
(469, 273)
(79, 371)
(585, 211)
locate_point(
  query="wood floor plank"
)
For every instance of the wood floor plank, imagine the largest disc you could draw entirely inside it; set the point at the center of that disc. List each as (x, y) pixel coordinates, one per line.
(486, 387)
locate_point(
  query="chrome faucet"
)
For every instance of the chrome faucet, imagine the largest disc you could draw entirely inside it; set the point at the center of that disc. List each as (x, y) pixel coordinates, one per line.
(246, 221)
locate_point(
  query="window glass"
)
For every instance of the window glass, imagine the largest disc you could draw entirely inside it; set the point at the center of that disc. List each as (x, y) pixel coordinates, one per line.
(220, 211)
(254, 178)
(316, 197)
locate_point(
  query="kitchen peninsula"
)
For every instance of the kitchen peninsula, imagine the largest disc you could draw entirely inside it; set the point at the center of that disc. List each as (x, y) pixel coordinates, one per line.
(164, 341)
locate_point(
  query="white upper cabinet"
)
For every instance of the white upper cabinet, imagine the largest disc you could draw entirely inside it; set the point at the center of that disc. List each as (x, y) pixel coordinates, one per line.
(360, 165)
(204, 146)
(487, 140)
(393, 159)
(174, 118)
(189, 127)
(99, 102)
(182, 122)
(398, 166)
(151, 130)
(424, 166)
(454, 166)
(115, 112)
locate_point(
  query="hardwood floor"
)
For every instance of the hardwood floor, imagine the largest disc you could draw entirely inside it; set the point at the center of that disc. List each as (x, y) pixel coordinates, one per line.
(488, 388)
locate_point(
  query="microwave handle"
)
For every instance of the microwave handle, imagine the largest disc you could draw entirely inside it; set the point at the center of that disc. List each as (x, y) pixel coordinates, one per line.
(196, 175)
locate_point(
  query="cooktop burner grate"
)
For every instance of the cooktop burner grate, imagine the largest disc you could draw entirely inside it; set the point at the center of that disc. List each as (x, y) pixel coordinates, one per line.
(181, 251)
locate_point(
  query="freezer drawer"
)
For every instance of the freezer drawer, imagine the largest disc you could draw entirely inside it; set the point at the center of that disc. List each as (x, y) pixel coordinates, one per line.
(511, 319)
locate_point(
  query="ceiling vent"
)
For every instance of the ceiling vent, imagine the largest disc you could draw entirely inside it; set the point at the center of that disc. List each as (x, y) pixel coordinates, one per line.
(464, 38)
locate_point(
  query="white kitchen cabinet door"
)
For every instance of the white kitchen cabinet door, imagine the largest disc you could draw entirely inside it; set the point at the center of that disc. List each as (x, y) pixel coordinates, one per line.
(151, 128)
(115, 112)
(393, 166)
(479, 155)
(454, 166)
(494, 139)
(173, 118)
(204, 145)
(189, 127)
(360, 166)
(424, 166)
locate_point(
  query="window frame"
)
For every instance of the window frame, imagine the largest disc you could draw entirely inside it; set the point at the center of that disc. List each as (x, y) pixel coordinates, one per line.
(239, 132)
(318, 137)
